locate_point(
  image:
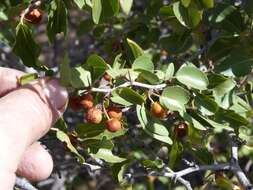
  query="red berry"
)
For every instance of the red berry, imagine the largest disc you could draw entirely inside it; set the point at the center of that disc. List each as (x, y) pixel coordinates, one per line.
(114, 112)
(181, 130)
(107, 77)
(34, 16)
(113, 125)
(158, 111)
(87, 101)
(74, 103)
(94, 116)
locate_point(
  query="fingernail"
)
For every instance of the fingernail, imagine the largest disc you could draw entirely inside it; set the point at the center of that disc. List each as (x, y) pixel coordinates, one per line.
(56, 94)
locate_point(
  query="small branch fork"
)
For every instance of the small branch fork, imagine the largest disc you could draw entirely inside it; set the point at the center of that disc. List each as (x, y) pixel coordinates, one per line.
(178, 176)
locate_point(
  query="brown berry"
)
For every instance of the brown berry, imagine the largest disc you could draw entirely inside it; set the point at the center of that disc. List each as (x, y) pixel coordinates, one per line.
(164, 53)
(181, 130)
(74, 103)
(94, 116)
(107, 77)
(158, 111)
(87, 101)
(34, 16)
(114, 112)
(113, 125)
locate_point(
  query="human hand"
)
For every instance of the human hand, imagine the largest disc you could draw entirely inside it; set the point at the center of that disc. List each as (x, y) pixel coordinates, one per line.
(26, 114)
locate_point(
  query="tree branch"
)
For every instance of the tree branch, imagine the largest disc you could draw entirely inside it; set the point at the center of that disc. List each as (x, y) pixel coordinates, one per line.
(242, 178)
(126, 84)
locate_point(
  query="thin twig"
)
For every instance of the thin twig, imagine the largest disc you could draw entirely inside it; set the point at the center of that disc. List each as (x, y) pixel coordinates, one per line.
(126, 84)
(242, 178)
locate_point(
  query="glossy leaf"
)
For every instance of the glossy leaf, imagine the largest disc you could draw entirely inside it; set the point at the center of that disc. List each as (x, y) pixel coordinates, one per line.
(143, 62)
(174, 98)
(80, 3)
(107, 155)
(25, 47)
(65, 72)
(136, 49)
(224, 87)
(57, 19)
(169, 71)
(98, 66)
(126, 5)
(63, 137)
(153, 128)
(80, 77)
(96, 10)
(192, 77)
(190, 16)
(129, 96)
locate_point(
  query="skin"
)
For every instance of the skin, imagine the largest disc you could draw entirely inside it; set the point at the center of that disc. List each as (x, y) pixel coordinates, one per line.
(27, 113)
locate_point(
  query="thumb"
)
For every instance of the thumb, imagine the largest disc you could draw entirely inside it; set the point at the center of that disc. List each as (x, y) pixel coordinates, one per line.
(26, 114)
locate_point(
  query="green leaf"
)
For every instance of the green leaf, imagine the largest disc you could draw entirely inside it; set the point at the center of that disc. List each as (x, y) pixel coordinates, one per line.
(98, 66)
(63, 137)
(107, 155)
(207, 3)
(224, 87)
(150, 77)
(25, 79)
(25, 47)
(238, 63)
(206, 104)
(190, 16)
(80, 3)
(96, 144)
(143, 62)
(222, 47)
(97, 131)
(174, 98)
(175, 153)
(153, 128)
(154, 164)
(169, 71)
(129, 95)
(57, 19)
(185, 3)
(177, 42)
(80, 78)
(115, 6)
(136, 49)
(192, 77)
(118, 171)
(248, 6)
(193, 121)
(126, 5)
(96, 10)
(65, 72)
(235, 120)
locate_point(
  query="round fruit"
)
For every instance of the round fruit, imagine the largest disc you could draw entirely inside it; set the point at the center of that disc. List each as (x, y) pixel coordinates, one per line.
(107, 77)
(94, 116)
(181, 130)
(114, 112)
(74, 103)
(87, 101)
(34, 16)
(113, 125)
(158, 111)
